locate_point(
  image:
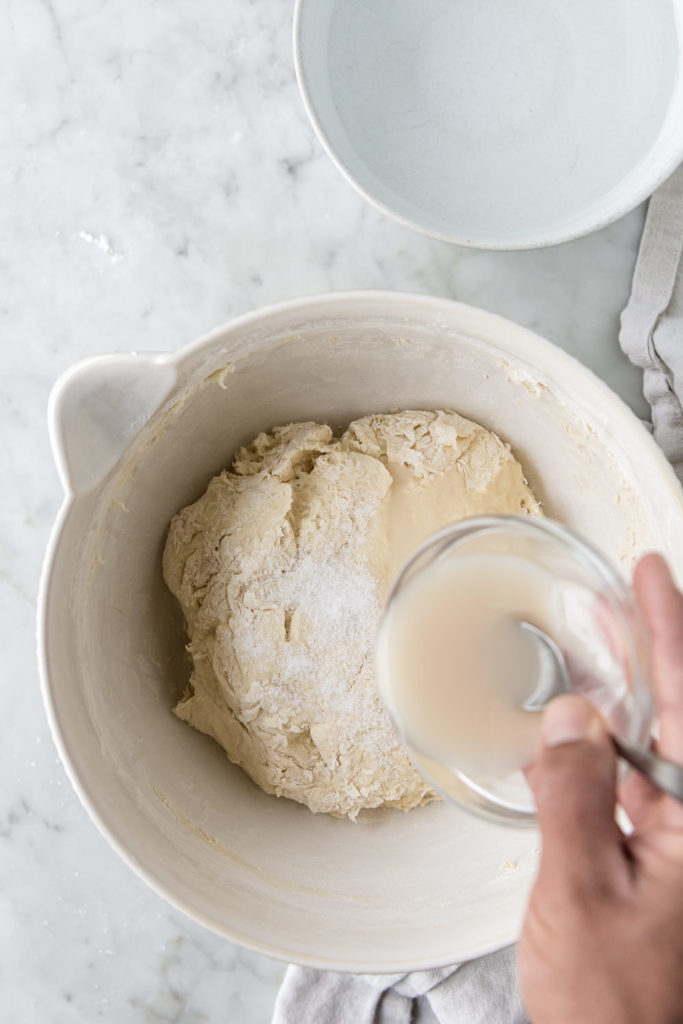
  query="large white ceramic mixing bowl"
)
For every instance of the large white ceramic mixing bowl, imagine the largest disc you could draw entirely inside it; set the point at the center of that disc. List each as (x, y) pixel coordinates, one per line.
(136, 437)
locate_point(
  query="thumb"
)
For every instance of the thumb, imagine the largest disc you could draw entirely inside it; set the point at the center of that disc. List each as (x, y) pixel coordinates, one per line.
(574, 786)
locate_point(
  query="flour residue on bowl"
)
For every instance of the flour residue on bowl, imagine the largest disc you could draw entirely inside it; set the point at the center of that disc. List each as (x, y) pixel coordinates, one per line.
(263, 876)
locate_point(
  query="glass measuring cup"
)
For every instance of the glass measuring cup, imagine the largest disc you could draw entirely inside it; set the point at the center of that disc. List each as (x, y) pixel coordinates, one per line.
(473, 745)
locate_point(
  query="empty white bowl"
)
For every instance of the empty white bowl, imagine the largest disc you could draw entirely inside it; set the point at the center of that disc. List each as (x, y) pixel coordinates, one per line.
(494, 124)
(137, 437)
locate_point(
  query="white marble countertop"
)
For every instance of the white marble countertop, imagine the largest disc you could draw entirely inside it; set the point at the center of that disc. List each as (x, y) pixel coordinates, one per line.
(159, 176)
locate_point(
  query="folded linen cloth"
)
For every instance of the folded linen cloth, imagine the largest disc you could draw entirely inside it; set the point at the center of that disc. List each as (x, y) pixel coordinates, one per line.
(485, 991)
(652, 323)
(482, 991)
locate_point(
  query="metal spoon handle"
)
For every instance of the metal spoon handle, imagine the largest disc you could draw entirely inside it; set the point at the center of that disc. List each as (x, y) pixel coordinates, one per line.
(663, 774)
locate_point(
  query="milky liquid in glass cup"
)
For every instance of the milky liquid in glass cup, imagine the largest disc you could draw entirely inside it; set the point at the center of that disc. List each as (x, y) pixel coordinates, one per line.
(454, 667)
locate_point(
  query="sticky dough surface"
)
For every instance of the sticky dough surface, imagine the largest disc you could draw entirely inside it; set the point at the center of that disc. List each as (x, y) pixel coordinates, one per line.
(281, 568)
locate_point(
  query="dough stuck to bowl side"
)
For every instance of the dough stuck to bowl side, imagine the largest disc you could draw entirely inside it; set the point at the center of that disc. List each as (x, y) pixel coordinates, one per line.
(281, 569)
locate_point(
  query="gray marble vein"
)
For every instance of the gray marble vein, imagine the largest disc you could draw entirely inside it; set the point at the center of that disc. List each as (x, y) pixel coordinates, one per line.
(159, 176)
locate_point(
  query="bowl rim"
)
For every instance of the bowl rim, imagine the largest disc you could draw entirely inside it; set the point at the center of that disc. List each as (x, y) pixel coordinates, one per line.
(585, 225)
(527, 345)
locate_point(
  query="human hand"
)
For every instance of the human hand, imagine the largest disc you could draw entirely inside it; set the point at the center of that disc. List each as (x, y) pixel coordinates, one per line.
(602, 941)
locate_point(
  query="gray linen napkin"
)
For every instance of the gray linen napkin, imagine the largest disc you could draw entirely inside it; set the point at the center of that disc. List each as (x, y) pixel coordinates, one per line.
(485, 991)
(652, 323)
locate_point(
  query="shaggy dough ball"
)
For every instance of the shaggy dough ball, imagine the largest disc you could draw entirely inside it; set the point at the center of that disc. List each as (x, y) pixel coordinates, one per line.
(281, 568)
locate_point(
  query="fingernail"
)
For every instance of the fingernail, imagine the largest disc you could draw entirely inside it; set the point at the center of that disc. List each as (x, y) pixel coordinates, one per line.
(567, 720)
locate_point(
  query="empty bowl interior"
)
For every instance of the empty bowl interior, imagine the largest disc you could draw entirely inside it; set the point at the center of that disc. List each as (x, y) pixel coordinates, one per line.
(496, 124)
(394, 890)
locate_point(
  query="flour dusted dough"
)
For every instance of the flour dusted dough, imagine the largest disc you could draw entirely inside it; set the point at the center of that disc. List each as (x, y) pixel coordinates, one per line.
(281, 568)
